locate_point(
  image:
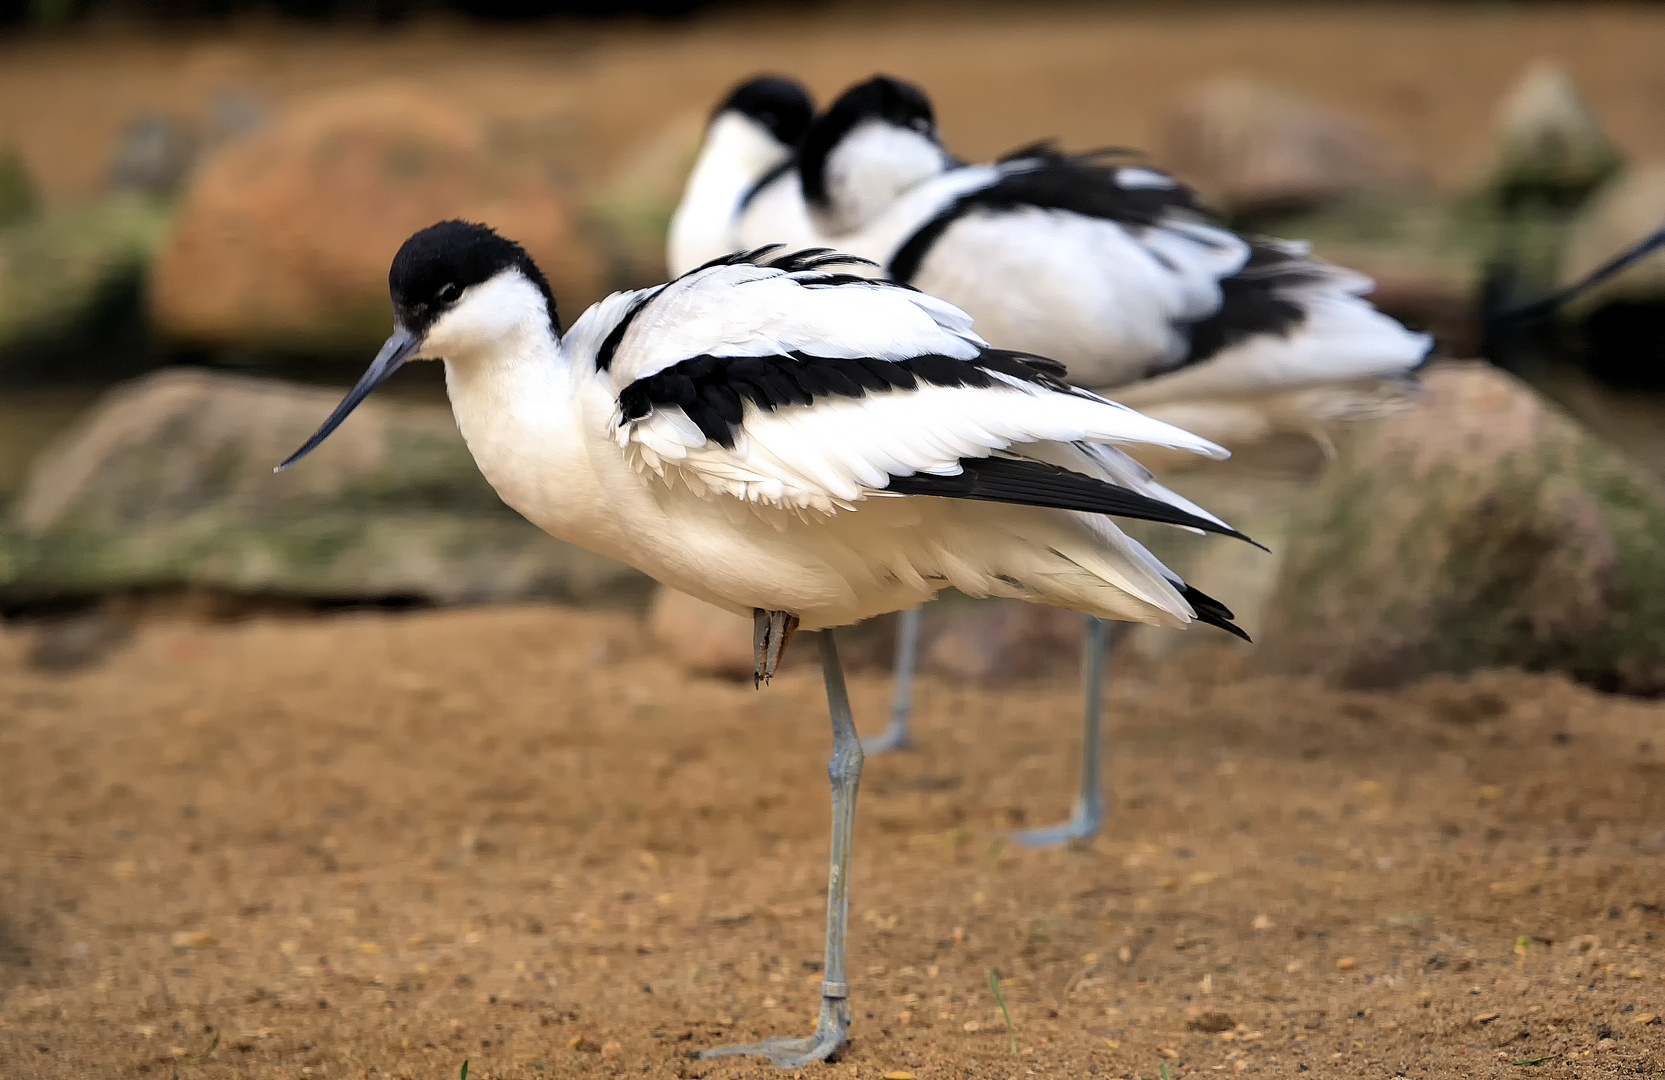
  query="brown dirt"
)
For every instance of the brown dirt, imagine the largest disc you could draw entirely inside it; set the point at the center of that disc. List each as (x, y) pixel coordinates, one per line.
(376, 845)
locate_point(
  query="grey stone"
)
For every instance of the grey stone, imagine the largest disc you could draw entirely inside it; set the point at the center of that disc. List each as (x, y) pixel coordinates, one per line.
(168, 483)
(1258, 149)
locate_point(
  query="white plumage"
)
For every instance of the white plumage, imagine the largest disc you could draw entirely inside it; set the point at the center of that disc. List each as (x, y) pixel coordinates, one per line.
(757, 432)
(857, 552)
(1112, 269)
(785, 439)
(1102, 263)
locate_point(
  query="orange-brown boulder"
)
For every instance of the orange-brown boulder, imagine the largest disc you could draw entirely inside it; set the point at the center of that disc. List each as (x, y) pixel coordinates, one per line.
(284, 237)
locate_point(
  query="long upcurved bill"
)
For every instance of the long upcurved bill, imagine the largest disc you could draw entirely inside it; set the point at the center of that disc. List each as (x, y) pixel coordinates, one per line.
(398, 348)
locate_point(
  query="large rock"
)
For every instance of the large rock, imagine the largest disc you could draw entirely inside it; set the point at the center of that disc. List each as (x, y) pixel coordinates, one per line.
(283, 237)
(1550, 150)
(60, 269)
(1483, 529)
(168, 482)
(1258, 150)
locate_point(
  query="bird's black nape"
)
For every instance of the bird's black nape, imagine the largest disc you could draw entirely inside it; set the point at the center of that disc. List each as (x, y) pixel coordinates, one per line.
(780, 104)
(883, 98)
(435, 265)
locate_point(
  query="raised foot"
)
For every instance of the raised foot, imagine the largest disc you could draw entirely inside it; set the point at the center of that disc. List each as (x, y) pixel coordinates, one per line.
(894, 738)
(1083, 825)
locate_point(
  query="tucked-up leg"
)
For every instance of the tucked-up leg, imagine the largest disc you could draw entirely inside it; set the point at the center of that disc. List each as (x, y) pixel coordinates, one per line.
(896, 736)
(845, 773)
(771, 633)
(1088, 818)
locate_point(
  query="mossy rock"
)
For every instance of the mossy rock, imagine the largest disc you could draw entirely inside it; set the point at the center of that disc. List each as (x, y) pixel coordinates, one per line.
(169, 483)
(54, 267)
(1485, 528)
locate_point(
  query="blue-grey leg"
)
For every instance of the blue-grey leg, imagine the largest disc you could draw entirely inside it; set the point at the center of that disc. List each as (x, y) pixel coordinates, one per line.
(1088, 817)
(844, 770)
(901, 699)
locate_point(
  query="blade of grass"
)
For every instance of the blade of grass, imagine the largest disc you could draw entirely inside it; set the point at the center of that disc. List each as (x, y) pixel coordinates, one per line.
(1536, 1060)
(994, 984)
(465, 1069)
(1164, 1069)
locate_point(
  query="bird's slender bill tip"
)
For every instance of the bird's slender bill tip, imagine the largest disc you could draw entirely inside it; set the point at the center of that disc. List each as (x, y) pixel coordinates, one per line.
(394, 352)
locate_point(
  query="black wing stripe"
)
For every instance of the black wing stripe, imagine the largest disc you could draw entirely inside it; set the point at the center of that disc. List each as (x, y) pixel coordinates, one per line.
(713, 390)
(1076, 183)
(1252, 303)
(1036, 483)
(610, 344)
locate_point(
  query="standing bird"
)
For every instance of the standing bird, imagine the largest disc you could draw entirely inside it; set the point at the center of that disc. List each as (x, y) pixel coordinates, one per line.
(788, 440)
(1113, 269)
(748, 146)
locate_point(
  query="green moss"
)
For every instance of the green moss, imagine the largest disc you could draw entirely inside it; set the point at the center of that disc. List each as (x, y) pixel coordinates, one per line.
(1550, 558)
(53, 266)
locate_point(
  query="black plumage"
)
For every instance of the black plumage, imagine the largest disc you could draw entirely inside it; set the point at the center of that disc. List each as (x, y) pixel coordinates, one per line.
(713, 390)
(610, 344)
(1252, 302)
(1025, 482)
(880, 98)
(1078, 183)
(1211, 611)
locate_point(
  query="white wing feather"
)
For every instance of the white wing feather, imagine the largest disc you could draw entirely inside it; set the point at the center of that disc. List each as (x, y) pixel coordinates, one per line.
(839, 450)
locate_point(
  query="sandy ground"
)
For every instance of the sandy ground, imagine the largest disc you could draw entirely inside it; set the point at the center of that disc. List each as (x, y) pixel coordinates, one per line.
(376, 845)
(1428, 77)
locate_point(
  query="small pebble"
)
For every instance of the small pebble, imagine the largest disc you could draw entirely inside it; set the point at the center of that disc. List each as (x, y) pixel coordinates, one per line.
(1486, 1017)
(1346, 963)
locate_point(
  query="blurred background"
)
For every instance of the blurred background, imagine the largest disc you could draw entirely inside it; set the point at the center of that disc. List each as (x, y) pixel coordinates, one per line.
(199, 198)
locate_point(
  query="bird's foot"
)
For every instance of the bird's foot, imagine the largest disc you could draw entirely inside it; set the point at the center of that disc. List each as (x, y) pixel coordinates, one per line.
(771, 633)
(895, 738)
(1083, 825)
(830, 1033)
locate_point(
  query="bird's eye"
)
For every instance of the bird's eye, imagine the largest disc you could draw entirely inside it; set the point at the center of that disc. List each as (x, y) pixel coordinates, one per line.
(447, 292)
(919, 123)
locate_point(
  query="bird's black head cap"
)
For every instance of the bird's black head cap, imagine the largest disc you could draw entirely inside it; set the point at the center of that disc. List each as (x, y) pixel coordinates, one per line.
(882, 97)
(435, 266)
(780, 104)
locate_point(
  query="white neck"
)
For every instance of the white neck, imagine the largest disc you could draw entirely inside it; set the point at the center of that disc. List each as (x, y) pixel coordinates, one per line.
(736, 153)
(873, 166)
(513, 402)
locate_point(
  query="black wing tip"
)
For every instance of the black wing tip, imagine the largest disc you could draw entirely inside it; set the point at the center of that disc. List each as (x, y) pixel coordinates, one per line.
(1211, 611)
(1027, 482)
